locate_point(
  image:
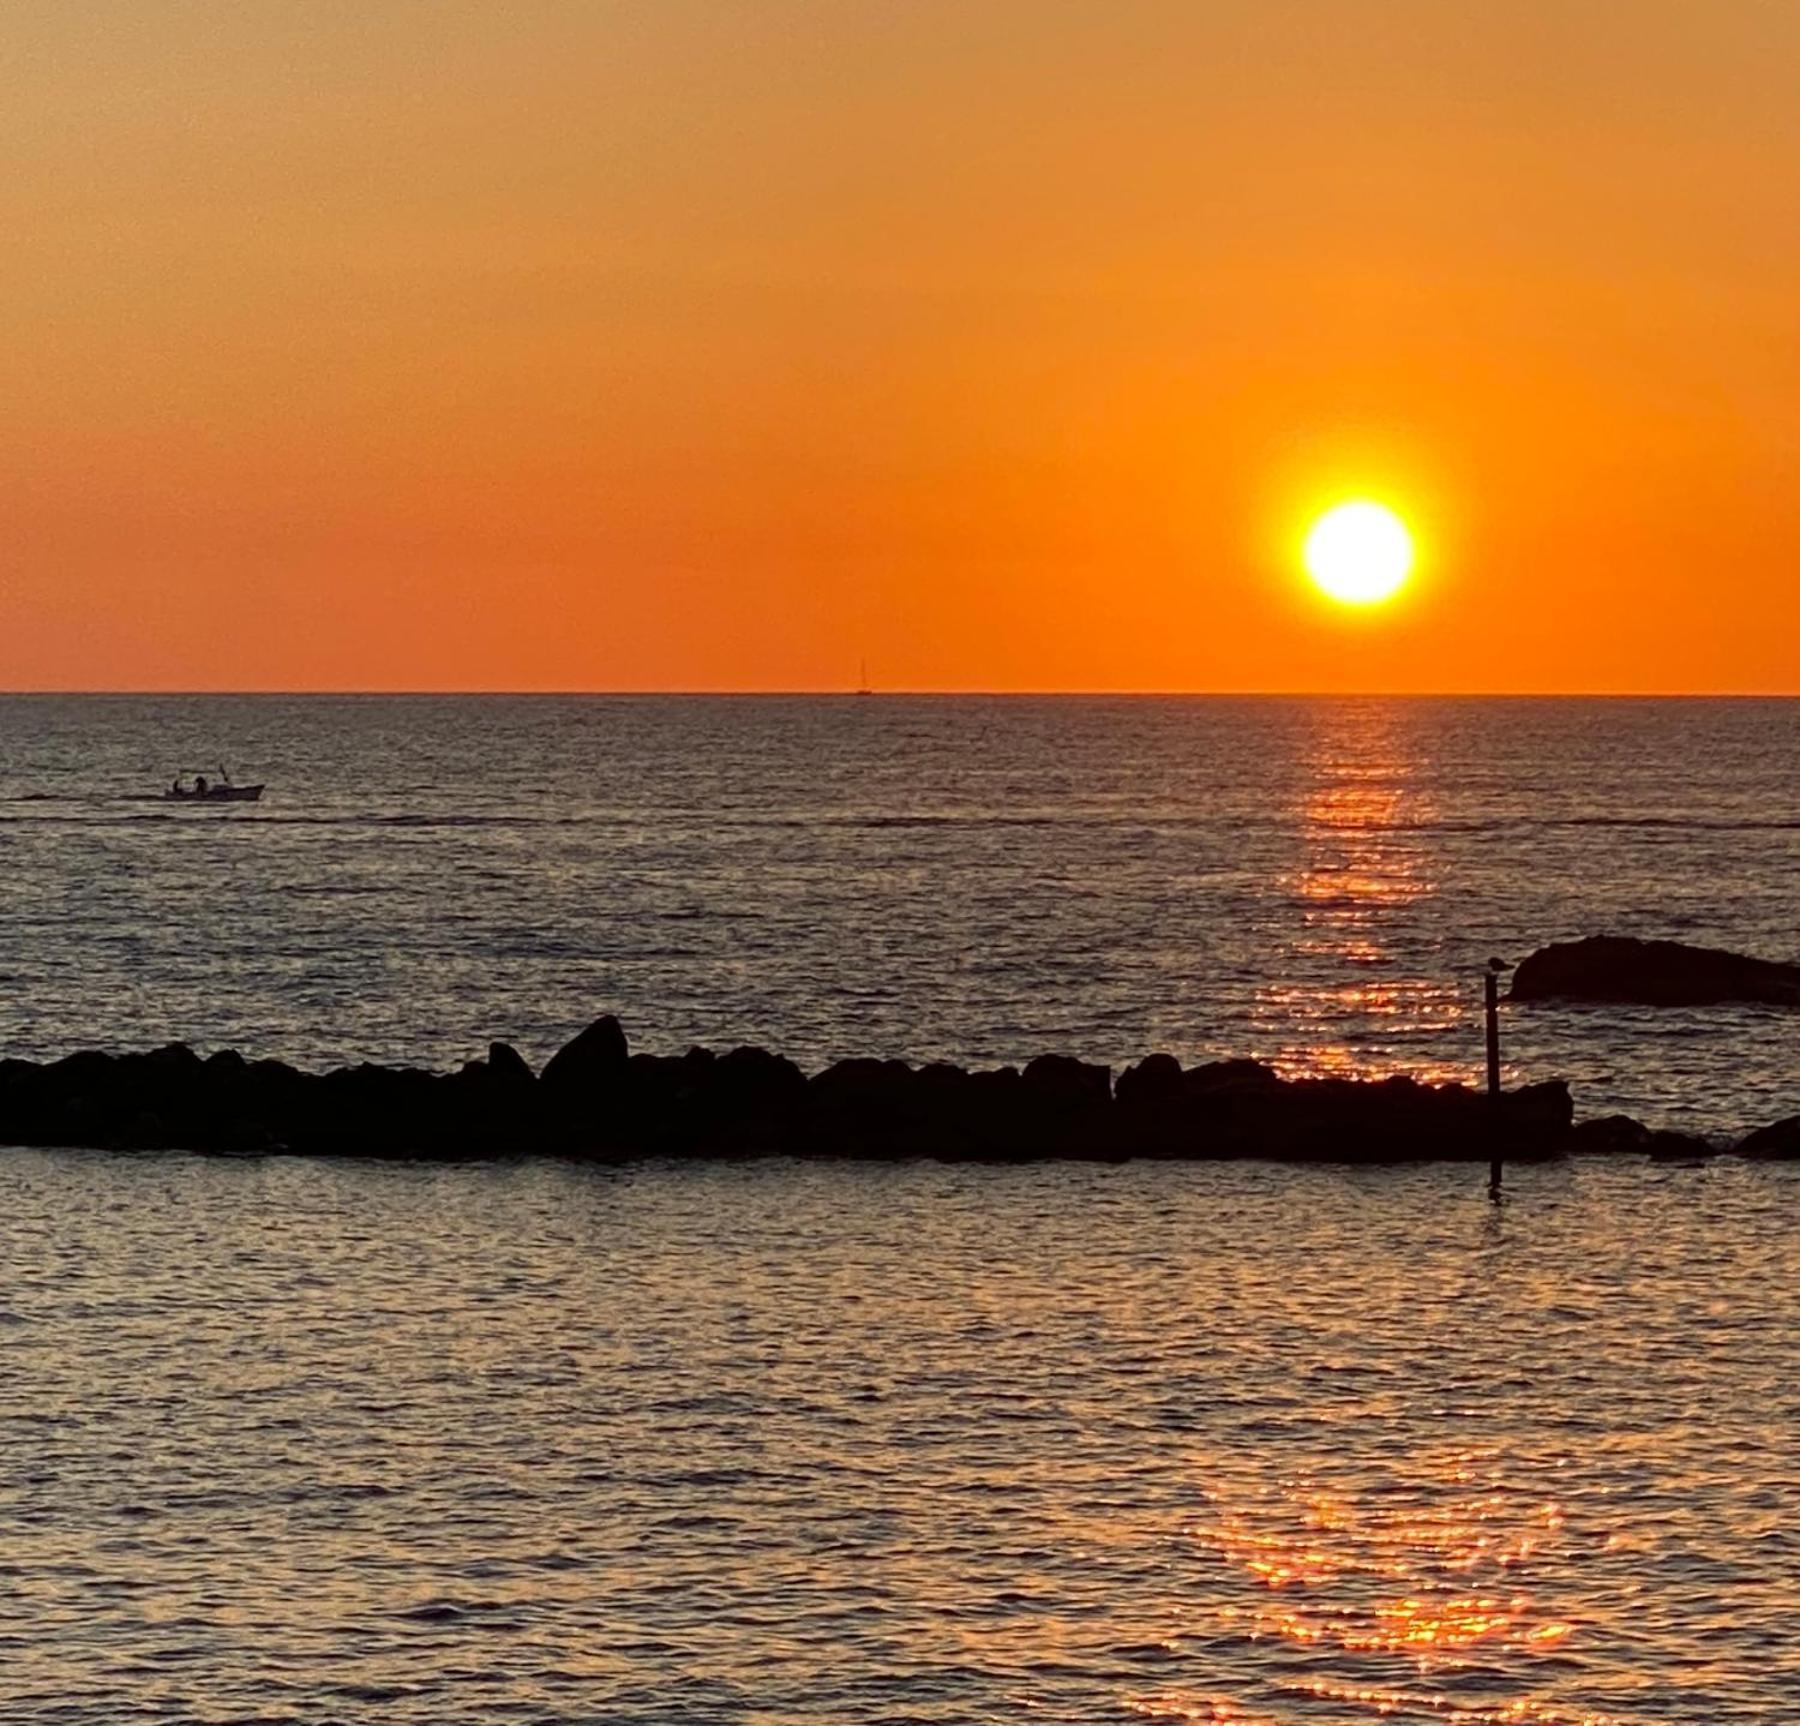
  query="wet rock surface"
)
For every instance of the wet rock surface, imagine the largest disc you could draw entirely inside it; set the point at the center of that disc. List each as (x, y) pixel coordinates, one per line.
(598, 1099)
(1622, 969)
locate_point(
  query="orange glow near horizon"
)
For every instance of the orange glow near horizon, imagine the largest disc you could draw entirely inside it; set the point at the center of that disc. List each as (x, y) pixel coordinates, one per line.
(1004, 348)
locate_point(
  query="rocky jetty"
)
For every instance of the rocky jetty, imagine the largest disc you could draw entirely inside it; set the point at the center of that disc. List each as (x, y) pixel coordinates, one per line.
(596, 1098)
(1621, 969)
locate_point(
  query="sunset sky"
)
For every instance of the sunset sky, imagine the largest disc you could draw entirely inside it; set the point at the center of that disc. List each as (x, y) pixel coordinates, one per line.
(1009, 344)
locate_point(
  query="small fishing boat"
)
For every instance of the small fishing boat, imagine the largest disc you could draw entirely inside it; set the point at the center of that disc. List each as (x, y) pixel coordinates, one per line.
(204, 790)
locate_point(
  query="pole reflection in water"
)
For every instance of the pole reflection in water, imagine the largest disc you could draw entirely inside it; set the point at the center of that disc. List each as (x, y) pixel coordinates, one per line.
(1358, 902)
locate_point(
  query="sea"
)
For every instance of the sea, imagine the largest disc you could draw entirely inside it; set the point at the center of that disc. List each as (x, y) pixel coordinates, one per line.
(1318, 883)
(299, 1442)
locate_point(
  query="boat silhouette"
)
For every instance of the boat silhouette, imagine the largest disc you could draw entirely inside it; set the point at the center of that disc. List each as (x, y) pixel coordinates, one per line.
(204, 790)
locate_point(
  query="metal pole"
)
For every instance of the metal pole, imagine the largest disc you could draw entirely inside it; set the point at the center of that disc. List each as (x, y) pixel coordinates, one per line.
(1492, 996)
(1492, 981)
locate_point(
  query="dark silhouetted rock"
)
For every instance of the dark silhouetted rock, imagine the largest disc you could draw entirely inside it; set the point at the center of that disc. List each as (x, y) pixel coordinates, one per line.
(1063, 1108)
(861, 1086)
(226, 1067)
(885, 1108)
(1620, 1135)
(1618, 968)
(1609, 1136)
(591, 1065)
(1243, 1108)
(864, 1101)
(1782, 1139)
(584, 1091)
(370, 1110)
(947, 1080)
(1543, 1108)
(990, 1118)
(274, 1091)
(702, 1102)
(1156, 1078)
(508, 1065)
(1229, 1076)
(1063, 1079)
(752, 1084)
(596, 1099)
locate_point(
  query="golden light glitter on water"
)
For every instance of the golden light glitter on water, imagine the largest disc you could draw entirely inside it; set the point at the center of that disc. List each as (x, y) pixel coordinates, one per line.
(1362, 871)
(1431, 1568)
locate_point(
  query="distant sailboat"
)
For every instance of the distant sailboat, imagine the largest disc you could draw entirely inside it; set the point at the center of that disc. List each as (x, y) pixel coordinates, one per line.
(862, 687)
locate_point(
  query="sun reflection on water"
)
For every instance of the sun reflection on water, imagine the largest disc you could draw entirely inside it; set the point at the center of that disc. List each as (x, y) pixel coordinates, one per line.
(1414, 1601)
(1365, 866)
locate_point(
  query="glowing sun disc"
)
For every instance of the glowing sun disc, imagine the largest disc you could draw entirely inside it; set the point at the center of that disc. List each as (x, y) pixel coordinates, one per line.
(1359, 553)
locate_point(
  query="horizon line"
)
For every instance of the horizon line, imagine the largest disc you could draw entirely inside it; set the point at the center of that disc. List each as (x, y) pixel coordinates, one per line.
(844, 692)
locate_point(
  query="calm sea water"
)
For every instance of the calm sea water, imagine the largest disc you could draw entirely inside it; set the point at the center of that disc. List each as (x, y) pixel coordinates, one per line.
(303, 1443)
(778, 1443)
(1318, 882)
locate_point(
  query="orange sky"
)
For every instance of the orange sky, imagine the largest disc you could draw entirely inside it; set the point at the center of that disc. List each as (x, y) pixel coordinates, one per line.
(720, 343)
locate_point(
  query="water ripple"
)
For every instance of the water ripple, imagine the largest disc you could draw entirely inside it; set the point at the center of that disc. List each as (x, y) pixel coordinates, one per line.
(788, 1442)
(1318, 883)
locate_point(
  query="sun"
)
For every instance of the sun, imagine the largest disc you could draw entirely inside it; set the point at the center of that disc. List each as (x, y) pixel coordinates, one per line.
(1359, 553)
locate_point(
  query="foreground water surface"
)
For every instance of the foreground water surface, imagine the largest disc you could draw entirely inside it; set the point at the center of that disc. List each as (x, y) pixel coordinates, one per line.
(303, 1442)
(1319, 883)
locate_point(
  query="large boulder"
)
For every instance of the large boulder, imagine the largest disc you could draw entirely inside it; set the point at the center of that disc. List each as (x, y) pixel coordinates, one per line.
(270, 1093)
(489, 1107)
(509, 1067)
(1230, 1077)
(585, 1080)
(1609, 1136)
(862, 1104)
(168, 1076)
(21, 1087)
(755, 1095)
(94, 1098)
(960, 1114)
(370, 1110)
(745, 1101)
(1616, 1135)
(1214, 1109)
(1065, 1081)
(887, 1109)
(1063, 1107)
(1620, 968)
(1541, 1112)
(1780, 1140)
(1155, 1079)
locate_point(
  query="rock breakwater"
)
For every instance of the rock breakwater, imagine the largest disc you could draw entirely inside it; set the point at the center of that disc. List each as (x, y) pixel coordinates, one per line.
(595, 1098)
